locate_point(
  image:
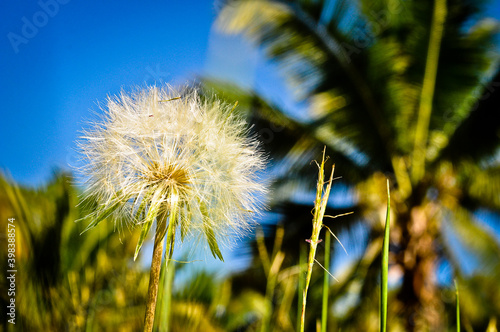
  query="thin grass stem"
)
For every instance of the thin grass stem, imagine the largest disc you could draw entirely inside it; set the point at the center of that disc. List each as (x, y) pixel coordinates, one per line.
(326, 284)
(319, 212)
(385, 266)
(301, 283)
(458, 306)
(162, 323)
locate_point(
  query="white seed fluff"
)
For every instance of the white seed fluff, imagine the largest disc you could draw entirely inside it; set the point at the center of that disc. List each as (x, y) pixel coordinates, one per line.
(150, 154)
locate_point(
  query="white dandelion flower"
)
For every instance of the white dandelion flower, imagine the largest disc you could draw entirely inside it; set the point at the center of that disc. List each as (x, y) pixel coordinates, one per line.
(185, 163)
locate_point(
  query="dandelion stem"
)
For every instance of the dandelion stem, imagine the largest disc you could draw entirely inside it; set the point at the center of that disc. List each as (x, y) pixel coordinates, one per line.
(154, 279)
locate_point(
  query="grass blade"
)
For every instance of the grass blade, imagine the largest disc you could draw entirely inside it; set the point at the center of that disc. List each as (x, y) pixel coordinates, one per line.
(458, 306)
(163, 311)
(209, 233)
(150, 217)
(172, 224)
(385, 266)
(301, 282)
(186, 218)
(212, 242)
(103, 215)
(144, 203)
(326, 284)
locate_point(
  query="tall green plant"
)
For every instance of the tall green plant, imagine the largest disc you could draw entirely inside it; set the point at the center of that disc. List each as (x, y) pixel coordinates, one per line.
(320, 203)
(319, 212)
(385, 265)
(457, 303)
(326, 284)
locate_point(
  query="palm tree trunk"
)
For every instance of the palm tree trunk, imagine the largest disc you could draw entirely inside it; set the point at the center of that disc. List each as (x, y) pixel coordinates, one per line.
(419, 295)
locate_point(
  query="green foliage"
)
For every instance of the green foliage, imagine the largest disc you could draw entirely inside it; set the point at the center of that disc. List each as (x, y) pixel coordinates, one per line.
(399, 89)
(67, 281)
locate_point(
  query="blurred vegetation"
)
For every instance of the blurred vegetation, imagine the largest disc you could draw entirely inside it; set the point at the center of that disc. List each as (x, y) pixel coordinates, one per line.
(401, 89)
(72, 282)
(67, 282)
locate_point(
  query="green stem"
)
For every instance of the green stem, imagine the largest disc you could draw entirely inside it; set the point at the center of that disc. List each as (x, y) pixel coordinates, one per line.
(154, 280)
(326, 283)
(165, 297)
(458, 306)
(312, 254)
(272, 278)
(385, 266)
(320, 203)
(301, 281)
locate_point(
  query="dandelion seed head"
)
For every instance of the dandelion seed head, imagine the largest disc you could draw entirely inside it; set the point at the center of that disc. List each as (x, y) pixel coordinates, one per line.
(149, 154)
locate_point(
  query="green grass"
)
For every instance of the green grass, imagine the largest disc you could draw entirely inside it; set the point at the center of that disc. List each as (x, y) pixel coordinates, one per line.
(458, 306)
(326, 284)
(385, 266)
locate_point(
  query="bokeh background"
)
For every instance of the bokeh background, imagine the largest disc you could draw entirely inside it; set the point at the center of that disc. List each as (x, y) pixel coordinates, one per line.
(306, 74)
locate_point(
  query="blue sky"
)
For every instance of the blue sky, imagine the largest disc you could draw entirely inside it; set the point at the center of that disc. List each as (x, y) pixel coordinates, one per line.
(86, 51)
(60, 58)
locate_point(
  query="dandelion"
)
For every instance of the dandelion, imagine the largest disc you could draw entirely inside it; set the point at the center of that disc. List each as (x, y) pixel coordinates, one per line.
(185, 163)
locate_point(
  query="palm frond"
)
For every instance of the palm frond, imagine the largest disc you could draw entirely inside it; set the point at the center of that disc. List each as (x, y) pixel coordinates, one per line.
(477, 136)
(314, 60)
(475, 239)
(481, 186)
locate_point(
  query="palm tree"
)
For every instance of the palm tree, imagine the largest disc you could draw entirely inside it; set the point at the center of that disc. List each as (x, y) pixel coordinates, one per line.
(403, 89)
